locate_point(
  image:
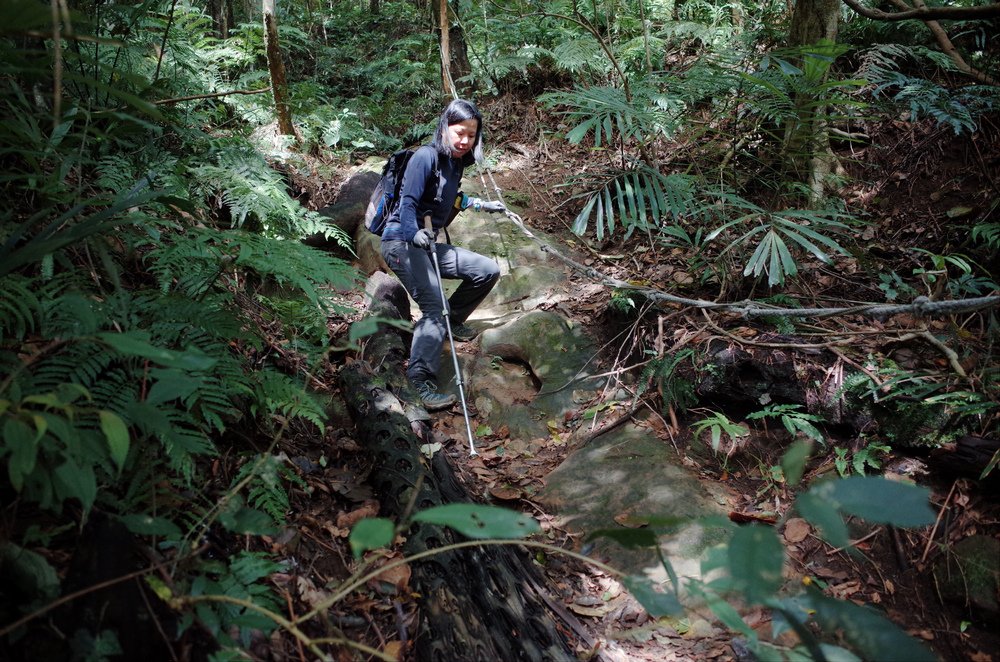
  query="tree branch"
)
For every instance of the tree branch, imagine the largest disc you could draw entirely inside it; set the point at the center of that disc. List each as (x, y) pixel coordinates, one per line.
(945, 43)
(212, 95)
(927, 13)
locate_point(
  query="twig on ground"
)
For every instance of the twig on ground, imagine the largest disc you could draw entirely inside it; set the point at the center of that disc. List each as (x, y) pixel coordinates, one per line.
(937, 522)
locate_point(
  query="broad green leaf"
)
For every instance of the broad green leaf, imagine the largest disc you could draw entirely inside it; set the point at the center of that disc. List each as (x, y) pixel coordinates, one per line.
(132, 345)
(148, 525)
(76, 481)
(116, 433)
(29, 572)
(480, 522)
(171, 384)
(824, 516)
(22, 443)
(878, 500)
(870, 633)
(160, 588)
(793, 462)
(371, 533)
(656, 603)
(243, 520)
(755, 559)
(728, 615)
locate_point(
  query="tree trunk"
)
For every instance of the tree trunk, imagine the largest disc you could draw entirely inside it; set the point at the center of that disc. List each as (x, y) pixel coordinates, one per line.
(446, 81)
(459, 65)
(807, 140)
(276, 67)
(482, 603)
(222, 17)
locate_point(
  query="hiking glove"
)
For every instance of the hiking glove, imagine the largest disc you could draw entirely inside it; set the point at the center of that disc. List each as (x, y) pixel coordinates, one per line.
(492, 207)
(423, 239)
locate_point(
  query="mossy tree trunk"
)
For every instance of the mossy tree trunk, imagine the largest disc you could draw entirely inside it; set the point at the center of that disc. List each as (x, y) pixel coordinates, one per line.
(807, 151)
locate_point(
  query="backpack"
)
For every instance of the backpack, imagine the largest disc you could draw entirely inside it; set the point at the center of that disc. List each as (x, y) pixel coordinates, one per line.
(385, 197)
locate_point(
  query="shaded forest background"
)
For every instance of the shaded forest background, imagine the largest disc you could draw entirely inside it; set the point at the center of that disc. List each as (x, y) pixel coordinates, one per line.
(167, 337)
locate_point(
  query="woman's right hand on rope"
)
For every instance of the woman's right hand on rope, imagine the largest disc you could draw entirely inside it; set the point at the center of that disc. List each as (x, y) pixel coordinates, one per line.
(424, 238)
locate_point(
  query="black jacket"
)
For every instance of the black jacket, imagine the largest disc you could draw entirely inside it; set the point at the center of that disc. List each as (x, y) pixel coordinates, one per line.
(424, 193)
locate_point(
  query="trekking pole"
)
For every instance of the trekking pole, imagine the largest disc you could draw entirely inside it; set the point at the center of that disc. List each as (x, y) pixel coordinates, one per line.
(451, 341)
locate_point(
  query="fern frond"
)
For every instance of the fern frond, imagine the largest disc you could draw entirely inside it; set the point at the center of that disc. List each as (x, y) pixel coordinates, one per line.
(78, 363)
(19, 307)
(266, 491)
(280, 394)
(182, 440)
(580, 54)
(959, 109)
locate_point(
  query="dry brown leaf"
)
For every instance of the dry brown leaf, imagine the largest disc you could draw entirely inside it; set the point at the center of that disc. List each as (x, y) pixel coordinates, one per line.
(367, 509)
(394, 649)
(308, 592)
(593, 612)
(505, 492)
(630, 521)
(796, 530)
(398, 576)
(843, 591)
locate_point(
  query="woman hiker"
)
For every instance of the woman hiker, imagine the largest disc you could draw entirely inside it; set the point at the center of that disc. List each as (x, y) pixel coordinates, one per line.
(430, 188)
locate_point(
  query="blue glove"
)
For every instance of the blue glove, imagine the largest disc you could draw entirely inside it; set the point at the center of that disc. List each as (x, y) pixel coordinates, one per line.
(424, 238)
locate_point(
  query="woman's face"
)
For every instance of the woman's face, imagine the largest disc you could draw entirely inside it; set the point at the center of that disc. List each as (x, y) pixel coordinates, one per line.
(462, 136)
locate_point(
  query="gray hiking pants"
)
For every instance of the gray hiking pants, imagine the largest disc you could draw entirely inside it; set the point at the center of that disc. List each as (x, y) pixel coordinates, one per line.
(415, 270)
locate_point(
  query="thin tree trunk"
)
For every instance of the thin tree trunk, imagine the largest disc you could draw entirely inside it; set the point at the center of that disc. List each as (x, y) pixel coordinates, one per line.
(807, 140)
(276, 66)
(446, 81)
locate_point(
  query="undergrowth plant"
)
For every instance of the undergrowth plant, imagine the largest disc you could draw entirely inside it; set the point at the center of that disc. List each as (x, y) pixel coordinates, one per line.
(156, 305)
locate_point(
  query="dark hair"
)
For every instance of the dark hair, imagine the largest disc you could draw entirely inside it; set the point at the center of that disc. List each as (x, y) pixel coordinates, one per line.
(457, 111)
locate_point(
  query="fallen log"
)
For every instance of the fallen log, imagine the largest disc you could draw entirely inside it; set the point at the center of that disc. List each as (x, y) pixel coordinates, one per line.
(481, 603)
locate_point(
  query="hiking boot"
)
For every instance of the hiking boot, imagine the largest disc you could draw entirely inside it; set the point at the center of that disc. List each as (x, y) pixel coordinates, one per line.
(464, 333)
(431, 399)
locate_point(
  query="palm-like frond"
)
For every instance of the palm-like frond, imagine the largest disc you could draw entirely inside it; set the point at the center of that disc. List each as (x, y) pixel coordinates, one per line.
(606, 113)
(641, 198)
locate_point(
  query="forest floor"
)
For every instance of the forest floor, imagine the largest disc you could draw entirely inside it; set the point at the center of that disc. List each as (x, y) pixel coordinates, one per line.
(912, 188)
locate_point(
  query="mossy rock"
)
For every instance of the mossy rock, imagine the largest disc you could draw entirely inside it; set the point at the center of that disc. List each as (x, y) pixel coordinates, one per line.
(970, 574)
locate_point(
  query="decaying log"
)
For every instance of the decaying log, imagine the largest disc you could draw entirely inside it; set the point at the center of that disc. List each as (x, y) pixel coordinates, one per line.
(968, 457)
(482, 603)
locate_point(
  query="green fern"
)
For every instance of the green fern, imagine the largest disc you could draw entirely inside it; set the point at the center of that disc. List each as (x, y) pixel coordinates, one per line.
(240, 578)
(959, 109)
(266, 490)
(579, 54)
(278, 393)
(19, 307)
(677, 390)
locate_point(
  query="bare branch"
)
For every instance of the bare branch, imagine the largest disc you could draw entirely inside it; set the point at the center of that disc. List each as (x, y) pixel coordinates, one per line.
(213, 95)
(927, 13)
(946, 44)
